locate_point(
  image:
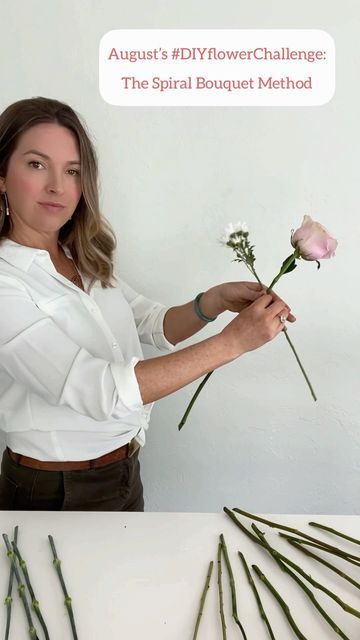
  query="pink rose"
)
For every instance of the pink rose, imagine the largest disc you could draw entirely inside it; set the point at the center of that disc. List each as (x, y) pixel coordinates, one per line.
(313, 241)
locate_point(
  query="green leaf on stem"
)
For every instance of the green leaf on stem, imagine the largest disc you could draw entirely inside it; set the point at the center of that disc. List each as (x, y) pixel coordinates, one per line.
(291, 266)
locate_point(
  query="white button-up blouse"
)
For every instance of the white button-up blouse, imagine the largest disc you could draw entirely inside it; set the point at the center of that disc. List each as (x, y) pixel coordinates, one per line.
(68, 390)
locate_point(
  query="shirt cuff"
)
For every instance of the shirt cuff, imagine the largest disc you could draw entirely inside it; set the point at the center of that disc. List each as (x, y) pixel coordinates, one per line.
(127, 386)
(159, 338)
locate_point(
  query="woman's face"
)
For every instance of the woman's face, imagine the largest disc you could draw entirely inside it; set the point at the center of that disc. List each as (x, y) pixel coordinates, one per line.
(33, 179)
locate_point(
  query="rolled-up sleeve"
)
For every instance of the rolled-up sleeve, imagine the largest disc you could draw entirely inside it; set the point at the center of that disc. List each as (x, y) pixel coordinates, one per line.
(39, 355)
(149, 318)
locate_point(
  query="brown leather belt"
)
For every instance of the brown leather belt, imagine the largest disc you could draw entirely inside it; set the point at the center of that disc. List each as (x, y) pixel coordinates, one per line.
(126, 451)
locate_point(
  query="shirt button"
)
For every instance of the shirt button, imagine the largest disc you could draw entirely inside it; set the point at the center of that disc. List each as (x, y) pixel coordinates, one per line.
(115, 345)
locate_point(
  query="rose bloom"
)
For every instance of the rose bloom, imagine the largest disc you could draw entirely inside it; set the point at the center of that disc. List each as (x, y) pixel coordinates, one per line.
(313, 240)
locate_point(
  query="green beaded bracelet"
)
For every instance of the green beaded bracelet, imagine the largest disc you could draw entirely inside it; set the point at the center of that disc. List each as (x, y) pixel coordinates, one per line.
(198, 312)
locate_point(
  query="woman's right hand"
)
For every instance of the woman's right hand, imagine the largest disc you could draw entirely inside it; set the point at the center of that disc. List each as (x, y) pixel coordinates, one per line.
(254, 326)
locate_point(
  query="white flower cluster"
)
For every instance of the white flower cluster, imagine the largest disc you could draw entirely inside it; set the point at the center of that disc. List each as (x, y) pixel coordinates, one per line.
(238, 228)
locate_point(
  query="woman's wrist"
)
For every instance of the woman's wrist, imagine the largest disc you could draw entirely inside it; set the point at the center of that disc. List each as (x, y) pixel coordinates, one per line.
(209, 303)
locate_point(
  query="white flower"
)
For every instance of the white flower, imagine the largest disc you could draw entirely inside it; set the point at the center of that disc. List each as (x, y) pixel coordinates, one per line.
(238, 227)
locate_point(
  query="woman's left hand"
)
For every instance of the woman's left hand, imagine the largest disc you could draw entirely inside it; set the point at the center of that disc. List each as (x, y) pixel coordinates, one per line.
(234, 296)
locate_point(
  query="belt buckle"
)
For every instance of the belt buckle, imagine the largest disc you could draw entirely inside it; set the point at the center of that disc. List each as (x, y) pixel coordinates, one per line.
(133, 447)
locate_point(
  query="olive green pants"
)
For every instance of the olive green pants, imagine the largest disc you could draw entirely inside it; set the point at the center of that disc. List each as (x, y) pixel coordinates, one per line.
(114, 487)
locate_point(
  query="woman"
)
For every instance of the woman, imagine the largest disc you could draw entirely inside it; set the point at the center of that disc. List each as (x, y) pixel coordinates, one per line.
(75, 391)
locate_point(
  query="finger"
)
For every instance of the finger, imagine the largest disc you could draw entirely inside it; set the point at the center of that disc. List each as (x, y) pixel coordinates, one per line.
(254, 294)
(255, 286)
(290, 317)
(263, 301)
(277, 308)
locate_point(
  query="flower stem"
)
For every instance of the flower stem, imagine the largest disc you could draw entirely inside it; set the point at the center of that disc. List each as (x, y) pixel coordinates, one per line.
(281, 602)
(67, 601)
(220, 591)
(330, 566)
(285, 331)
(287, 263)
(281, 559)
(184, 418)
(344, 555)
(232, 586)
(257, 597)
(8, 599)
(34, 602)
(283, 527)
(21, 588)
(299, 363)
(334, 531)
(202, 601)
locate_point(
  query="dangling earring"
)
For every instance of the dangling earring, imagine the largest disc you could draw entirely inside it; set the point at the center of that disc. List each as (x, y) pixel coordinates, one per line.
(7, 210)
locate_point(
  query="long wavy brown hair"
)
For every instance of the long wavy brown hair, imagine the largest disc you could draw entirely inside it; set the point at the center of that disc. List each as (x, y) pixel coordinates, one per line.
(88, 234)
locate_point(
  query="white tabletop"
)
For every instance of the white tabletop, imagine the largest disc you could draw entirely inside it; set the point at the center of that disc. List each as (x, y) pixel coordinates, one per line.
(140, 575)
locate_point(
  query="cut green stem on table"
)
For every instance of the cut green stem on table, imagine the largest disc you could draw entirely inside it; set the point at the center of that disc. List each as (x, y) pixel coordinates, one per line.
(310, 595)
(280, 558)
(248, 533)
(220, 592)
(260, 540)
(8, 599)
(232, 586)
(283, 560)
(340, 553)
(21, 588)
(67, 601)
(330, 566)
(334, 531)
(281, 601)
(34, 602)
(296, 532)
(202, 601)
(257, 597)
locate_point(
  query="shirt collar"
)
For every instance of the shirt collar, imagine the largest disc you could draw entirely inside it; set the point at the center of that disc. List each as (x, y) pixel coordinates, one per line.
(22, 256)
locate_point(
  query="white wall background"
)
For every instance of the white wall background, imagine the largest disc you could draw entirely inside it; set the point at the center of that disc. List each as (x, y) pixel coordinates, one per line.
(171, 179)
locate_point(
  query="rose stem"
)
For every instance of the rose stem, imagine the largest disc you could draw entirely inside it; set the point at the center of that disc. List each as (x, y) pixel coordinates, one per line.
(202, 601)
(232, 586)
(334, 531)
(281, 602)
(295, 531)
(298, 546)
(323, 547)
(221, 601)
(8, 599)
(185, 416)
(281, 559)
(257, 597)
(34, 602)
(286, 264)
(21, 588)
(67, 601)
(284, 330)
